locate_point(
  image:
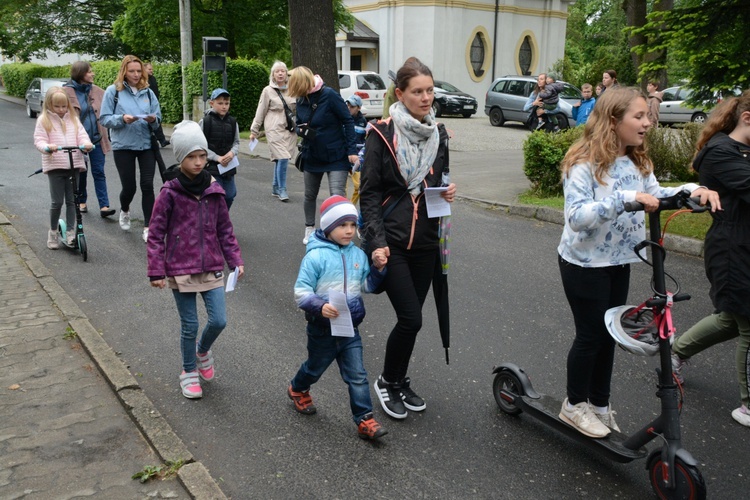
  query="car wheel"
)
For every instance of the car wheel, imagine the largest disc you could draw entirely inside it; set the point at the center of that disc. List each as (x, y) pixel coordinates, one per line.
(30, 112)
(562, 122)
(699, 117)
(437, 108)
(496, 117)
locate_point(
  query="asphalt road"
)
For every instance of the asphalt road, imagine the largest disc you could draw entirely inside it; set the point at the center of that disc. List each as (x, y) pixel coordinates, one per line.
(507, 305)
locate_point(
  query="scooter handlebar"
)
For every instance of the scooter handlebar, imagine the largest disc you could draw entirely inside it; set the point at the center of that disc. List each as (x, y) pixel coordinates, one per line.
(674, 202)
(70, 148)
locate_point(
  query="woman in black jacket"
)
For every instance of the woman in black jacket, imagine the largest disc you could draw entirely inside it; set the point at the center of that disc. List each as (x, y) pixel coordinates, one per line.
(328, 144)
(404, 155)
(723, 164)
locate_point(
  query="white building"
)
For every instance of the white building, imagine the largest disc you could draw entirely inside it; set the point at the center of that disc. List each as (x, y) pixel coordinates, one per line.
(468, 43)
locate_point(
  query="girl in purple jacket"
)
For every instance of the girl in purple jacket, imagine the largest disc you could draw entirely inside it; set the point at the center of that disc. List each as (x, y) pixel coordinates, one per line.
(190, 236)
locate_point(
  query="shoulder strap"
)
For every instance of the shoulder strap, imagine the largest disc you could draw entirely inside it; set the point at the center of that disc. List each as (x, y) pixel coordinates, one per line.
(283, 101)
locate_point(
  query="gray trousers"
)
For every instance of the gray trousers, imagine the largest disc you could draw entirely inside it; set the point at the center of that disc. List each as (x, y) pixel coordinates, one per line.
(336, 185)
(61, 190)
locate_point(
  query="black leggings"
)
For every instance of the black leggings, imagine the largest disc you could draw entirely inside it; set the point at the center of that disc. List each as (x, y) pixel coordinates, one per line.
(590, 292)
(125, 163)
(406, 283)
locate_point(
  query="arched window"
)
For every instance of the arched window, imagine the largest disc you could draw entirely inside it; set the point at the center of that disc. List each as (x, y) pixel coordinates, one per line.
(477, 54)
(525, 56)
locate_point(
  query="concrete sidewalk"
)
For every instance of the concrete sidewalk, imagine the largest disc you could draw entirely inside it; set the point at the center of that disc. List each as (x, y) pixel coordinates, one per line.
(73, 420)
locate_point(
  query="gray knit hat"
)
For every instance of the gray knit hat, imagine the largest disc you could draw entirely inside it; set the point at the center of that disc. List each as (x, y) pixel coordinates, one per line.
(186, 138)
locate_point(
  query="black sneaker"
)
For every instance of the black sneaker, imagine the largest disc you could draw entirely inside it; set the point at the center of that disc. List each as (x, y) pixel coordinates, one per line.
(390, 398)
(410, 398)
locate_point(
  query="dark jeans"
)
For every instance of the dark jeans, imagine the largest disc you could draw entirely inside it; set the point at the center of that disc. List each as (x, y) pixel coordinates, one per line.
(407, 283)
(322, 349)
(125, 162)
(590, 292)
(230, 188)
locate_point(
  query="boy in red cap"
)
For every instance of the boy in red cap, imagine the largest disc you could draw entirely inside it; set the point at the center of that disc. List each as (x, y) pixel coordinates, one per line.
(333, 262)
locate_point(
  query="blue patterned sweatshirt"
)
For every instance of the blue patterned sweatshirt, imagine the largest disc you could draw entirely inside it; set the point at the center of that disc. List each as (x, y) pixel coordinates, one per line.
(598, 232)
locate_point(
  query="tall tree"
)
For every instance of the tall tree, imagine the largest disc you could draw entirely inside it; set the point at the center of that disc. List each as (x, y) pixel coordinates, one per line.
(314, 38)
(635, 14)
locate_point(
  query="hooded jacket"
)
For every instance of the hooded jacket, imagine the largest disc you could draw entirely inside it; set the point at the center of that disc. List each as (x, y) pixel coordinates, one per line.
(74, 135)
(330, 266)
(188, 235)
(134, 136)
(407, 226)
(93, 95)
(724, 166)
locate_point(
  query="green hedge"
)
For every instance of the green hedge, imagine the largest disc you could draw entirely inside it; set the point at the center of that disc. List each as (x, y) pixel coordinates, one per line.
(245, 81)
(670, 149)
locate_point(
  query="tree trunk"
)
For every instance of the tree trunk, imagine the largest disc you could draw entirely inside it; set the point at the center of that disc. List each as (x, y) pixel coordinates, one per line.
(661, 75)
(635, 13)
(314, 38)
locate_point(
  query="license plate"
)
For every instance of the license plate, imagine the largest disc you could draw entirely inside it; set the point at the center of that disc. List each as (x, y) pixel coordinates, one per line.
(468, 106)
(376, 102)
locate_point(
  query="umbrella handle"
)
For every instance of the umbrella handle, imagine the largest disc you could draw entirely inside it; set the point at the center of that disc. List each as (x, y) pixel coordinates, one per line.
(447, 359)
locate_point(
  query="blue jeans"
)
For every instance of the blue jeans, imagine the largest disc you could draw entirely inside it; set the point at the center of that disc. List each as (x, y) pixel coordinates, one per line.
(217, 320)
(322, 349)
(96, 160)
(279, 174)
(336, 185)
(230, 188)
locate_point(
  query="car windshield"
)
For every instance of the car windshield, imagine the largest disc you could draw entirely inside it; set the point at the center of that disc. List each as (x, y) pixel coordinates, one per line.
(370, 82)
(446, 86)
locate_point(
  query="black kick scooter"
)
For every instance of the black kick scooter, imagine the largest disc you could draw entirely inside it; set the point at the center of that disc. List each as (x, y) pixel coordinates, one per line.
(646, 329)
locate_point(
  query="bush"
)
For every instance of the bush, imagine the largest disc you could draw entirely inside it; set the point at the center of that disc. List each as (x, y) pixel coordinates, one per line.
(18, 76)
(672, 150)
(543, 152)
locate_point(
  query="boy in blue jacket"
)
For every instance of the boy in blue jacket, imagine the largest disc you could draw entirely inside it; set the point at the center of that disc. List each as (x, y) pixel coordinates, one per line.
(333, 262)
(583, 109)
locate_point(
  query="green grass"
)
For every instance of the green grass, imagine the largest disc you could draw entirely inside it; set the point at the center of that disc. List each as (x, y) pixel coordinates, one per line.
(689, 225)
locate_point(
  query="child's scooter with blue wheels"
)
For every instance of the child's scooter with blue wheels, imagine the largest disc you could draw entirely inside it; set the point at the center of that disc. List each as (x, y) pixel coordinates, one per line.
(647, 330)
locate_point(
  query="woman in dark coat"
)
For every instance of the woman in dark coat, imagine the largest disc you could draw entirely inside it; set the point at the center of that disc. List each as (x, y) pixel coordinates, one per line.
(723, 164)
(321, 111)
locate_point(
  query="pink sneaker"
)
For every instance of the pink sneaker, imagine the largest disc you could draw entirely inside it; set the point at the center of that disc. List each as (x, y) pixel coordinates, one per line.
(206, 365)
(191, 385)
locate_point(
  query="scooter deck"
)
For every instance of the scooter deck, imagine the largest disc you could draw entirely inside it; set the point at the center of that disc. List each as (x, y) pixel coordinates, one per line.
(547, 409)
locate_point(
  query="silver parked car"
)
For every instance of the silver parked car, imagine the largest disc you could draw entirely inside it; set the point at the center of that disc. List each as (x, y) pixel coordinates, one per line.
(36, 92)
(507, 96)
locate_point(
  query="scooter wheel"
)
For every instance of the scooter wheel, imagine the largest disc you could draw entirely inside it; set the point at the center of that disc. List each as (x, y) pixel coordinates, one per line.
(689, 483)
(61, 228)
(82, 247)
(506, 382)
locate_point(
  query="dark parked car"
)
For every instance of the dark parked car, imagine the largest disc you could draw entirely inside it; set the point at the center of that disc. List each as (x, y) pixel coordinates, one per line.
(451, 101)
(36, 92)
(507, 96)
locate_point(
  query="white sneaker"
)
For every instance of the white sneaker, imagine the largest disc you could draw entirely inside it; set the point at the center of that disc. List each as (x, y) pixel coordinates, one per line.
(309, 230)
(52, 242)
(583, 419)
(678, 367)
(70, 237)
(608, 418)
(742, 415)
(145, 235)
(125, 220)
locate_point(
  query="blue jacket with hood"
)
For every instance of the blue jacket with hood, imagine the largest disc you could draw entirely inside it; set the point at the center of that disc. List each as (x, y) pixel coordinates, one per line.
(135, 136)
(330, 266)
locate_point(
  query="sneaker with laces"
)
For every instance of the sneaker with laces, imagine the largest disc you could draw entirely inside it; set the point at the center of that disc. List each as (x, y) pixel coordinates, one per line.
(303, 402)
(125, 220)
(205, 362)
(678, 367)
(582, 418)
(540, 124)
(70, 237)
(368, 428)
(283, 195)
(275, 191)
(52, 241)
(409, 397)
(145, 235)
(742, 415)
(608, 418)
(190, 383)
(309, 230)
(390, 398)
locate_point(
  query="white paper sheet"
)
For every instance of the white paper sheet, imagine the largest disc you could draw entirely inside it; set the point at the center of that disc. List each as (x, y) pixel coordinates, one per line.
(342, 325)
(436, 204)
(252, 144)
(232, 280)
(233, 163)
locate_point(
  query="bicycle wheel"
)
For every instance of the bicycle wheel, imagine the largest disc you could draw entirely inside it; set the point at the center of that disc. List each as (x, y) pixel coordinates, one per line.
(82, 246)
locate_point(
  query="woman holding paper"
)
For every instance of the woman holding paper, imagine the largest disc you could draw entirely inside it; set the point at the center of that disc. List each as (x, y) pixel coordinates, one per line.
(404, 155)
(131, 111)
(272, 114)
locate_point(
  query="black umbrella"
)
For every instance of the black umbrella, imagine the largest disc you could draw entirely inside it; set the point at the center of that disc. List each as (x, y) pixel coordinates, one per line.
(440, 290)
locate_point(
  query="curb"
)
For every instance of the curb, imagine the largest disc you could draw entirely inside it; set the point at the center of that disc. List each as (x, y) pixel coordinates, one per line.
(193, 476)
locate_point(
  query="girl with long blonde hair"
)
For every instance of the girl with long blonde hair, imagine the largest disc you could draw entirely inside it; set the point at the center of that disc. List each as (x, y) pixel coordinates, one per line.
(57, 126)
(607, 167)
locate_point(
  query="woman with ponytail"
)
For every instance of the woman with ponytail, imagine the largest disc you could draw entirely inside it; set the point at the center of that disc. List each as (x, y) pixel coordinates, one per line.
(722, 161)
